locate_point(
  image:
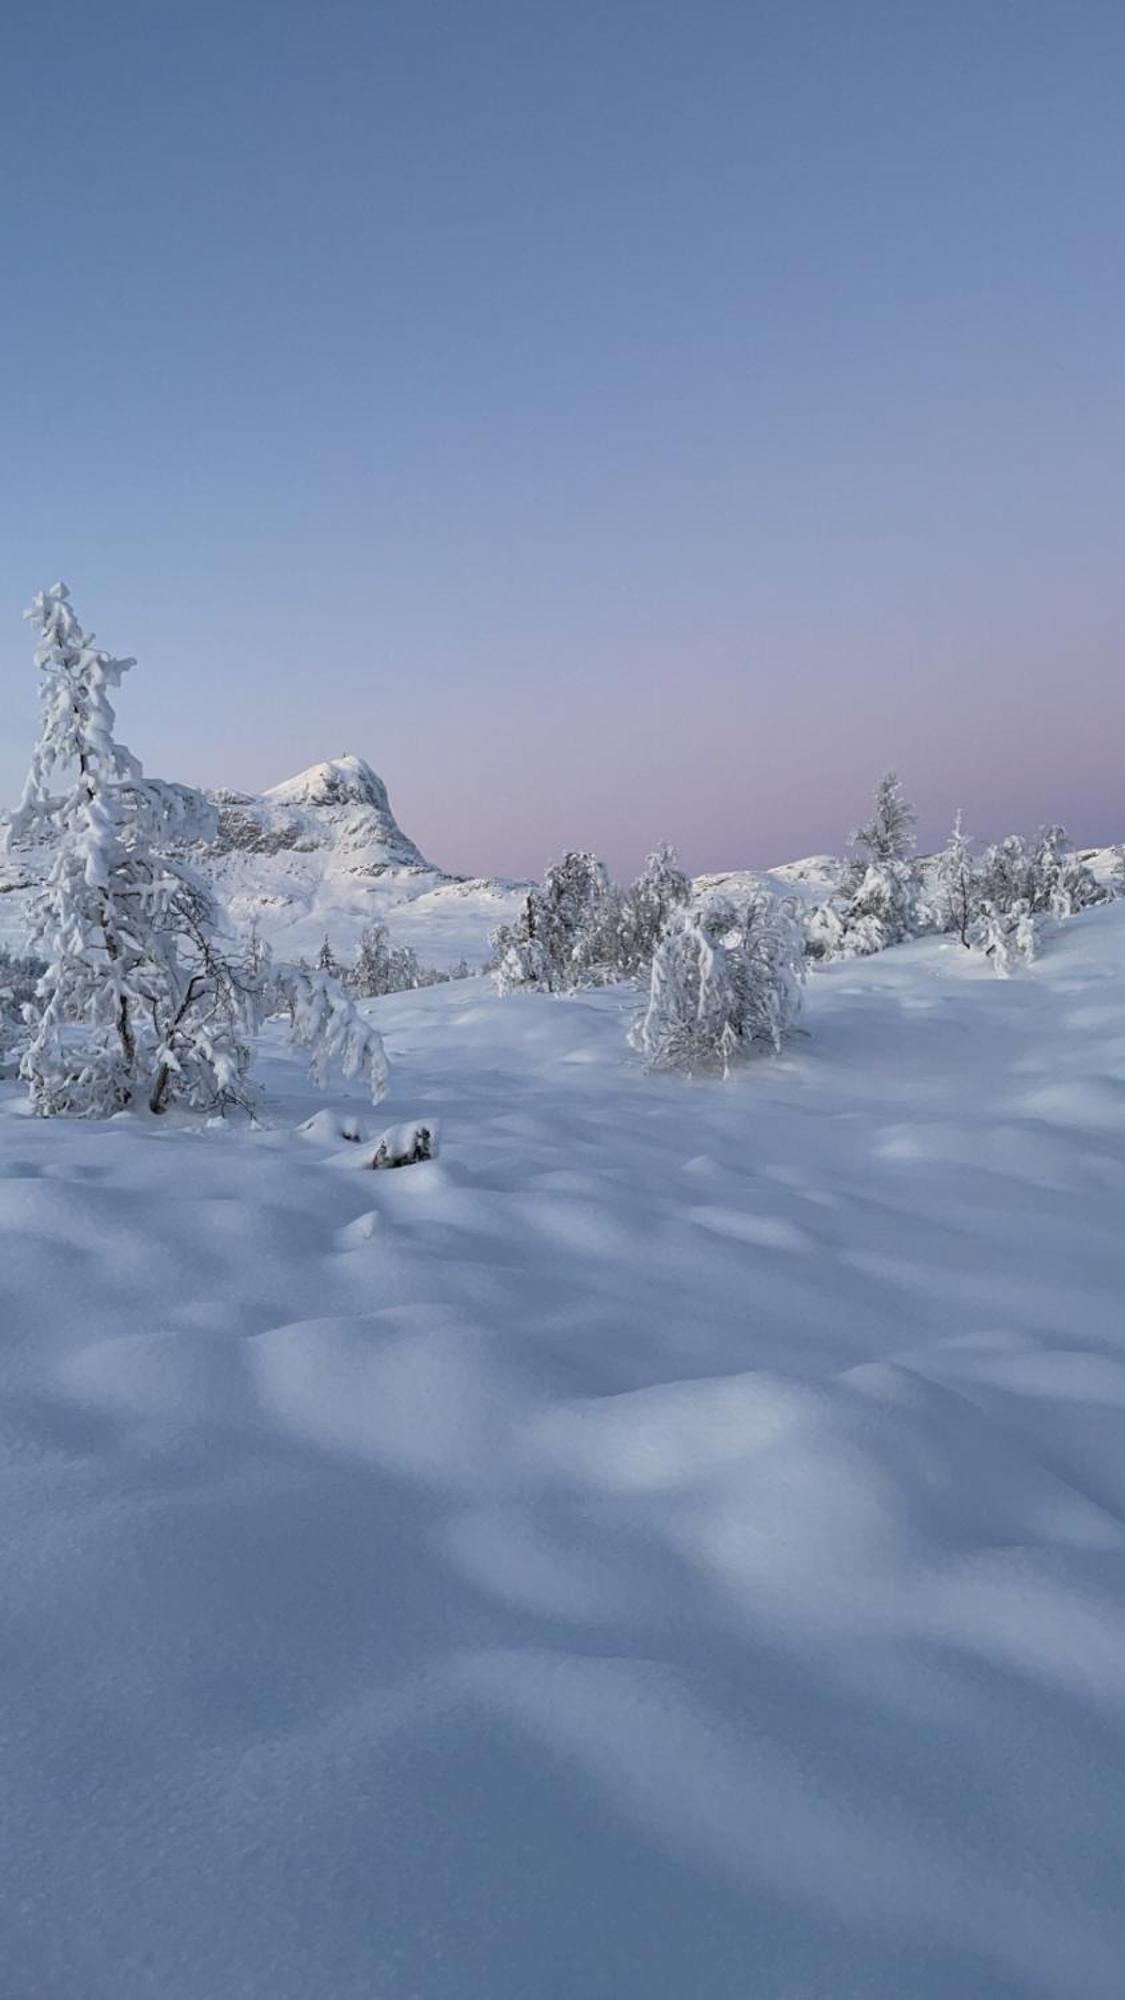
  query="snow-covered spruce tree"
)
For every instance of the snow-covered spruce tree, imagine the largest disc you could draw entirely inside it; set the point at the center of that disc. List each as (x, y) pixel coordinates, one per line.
(141, 996)
(880, 901)
(956, 892)
(889, 834)
(725, 982)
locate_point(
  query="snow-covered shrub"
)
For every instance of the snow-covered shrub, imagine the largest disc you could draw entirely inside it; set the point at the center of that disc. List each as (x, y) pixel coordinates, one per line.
(641, 913)
(725, 981)
(406, 1145)
(1006, 936)
(19, 977)
(558, 941)
(140, 995)
(580, 929)
(882, 905)
(824, 932)
(20, 974)
(1045, 874)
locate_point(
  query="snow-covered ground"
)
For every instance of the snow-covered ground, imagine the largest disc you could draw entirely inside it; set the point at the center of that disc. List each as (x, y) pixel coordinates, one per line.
(671, 1545)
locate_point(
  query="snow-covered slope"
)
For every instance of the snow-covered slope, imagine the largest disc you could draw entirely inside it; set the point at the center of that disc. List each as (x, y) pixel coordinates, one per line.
(809, 881)
(320, 855)
(671, 1545)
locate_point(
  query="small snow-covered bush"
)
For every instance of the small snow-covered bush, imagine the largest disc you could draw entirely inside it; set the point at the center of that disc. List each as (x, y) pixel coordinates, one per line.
(406, 1145)
(1008, 937)
(725, 982)
(882, 904)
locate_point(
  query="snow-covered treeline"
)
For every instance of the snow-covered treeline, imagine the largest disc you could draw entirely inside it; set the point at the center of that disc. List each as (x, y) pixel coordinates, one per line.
(994, 902)
(380, 967)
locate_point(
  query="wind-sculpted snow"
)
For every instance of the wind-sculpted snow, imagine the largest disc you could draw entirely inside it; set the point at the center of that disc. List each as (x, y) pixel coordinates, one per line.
(671, 1544)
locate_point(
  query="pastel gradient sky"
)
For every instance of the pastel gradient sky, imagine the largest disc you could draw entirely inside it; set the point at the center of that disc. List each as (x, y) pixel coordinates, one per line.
(615, 419)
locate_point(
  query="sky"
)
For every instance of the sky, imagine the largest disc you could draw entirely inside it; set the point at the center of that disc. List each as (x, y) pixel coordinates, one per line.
(616, 420)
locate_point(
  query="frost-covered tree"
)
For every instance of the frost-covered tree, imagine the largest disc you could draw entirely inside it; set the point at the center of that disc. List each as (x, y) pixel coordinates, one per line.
(113, 902)
(326, 959)
(643, 911)
(370, 975)
(558, 939)
(725, 981)
(881, 899)
(141, 996)
(1045, 874)
(889, 834)
(955, 885)
(381, 967)
(578, 928)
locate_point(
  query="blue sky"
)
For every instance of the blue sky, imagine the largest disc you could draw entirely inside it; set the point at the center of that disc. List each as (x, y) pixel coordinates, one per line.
(616, 421)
